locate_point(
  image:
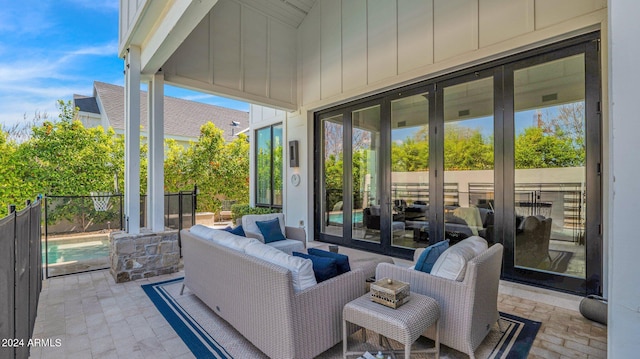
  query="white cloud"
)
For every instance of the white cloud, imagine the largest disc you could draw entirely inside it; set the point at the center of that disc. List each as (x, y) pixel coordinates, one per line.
(15, 111)
(38, 64)
(109, 49)
(36, 83)
(52, 66)
(104, 5)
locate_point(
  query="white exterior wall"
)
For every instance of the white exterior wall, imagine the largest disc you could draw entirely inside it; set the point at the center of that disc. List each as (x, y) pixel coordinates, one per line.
(297, 206)
(130, 10)
(624, 304)
(349, 49)
(240, 52)
(90, 119)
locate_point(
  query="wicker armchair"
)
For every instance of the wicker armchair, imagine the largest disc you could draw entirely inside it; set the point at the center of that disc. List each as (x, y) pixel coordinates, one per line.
(532, 242)
(468, 308)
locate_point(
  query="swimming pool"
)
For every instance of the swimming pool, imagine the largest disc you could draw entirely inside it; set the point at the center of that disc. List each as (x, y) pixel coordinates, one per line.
(336, 218)
(75, 250)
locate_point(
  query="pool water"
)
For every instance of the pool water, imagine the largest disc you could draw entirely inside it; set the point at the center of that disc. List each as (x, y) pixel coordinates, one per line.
(336, 218)
(61, 252)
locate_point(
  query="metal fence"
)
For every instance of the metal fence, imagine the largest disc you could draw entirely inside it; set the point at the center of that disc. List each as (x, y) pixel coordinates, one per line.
(179, 211)
(20, 279)
(77, 227)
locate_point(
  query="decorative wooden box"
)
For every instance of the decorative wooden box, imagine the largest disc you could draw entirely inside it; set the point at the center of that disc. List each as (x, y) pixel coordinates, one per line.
(390, 292)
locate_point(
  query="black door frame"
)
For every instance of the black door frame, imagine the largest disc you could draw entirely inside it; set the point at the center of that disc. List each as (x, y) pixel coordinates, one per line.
(592, 283)
(502, 72)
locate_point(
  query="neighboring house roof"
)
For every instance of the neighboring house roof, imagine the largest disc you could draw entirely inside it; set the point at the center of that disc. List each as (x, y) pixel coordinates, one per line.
(86, 104)
(182, 118)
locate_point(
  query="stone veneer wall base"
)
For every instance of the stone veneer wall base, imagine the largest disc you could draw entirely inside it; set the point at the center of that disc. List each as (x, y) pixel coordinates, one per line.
(143, 255)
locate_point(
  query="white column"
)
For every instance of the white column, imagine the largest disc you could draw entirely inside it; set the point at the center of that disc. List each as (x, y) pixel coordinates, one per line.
(132, 141)
(624, 247)
(155, 169)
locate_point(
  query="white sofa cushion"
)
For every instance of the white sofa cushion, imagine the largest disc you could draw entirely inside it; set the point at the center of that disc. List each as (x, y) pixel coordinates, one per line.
(222, 237)
(202, 231)
(231, 240)
(301, 268)
(251, 228)
(452, 264)
(288, 245)
(477, 243)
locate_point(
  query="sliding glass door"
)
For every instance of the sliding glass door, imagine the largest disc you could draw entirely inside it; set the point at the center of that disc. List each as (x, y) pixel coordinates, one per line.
(509, 151)
(468, 159)
(332, 183)
(367, 208)
(556, 158)
(409, 189)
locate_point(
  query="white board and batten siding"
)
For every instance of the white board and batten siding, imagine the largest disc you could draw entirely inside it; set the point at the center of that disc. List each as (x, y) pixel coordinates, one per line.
(130, 10)
(357, 47)
(239, 52)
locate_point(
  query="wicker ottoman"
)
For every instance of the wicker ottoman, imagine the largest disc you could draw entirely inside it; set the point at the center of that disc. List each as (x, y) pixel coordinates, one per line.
(404, 324)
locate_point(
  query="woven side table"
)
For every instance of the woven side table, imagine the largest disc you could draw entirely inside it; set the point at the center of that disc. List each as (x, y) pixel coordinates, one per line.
(404, 324)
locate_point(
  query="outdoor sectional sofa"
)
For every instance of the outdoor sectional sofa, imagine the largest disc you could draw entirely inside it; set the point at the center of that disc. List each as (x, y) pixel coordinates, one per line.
(258, 298)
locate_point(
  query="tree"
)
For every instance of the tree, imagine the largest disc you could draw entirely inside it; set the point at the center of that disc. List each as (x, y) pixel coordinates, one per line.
(13, 190)
(117, 161)
(21, 131)
(535, 148)
(221, 170)
(65, 158)
(558, 139)
(235, 169)
(569, 124)
(466, 149)
(412, 154)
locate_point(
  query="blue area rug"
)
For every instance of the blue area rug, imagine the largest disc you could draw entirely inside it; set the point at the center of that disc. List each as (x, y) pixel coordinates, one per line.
(209, 336)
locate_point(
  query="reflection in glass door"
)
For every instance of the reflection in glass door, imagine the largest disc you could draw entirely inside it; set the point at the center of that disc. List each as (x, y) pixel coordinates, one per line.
(332, 211)
(550, 176)
(510, 151)
(367, 209)
(468, 160)
(410, 171)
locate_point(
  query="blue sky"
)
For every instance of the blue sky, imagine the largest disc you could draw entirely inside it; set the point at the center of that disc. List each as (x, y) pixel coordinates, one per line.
(52, 49)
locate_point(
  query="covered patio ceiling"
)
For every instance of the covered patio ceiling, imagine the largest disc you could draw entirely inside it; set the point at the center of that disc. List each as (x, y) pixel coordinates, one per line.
(242, 49)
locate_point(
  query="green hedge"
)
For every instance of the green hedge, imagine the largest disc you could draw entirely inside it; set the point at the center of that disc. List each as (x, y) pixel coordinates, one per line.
(239, 210)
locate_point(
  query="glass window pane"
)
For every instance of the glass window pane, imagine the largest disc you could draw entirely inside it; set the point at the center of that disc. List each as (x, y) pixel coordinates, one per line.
(550, 176)
(332, 172)
(263, 166)
(410, 171)
(365, 176)
(468, 160)
(277, 164)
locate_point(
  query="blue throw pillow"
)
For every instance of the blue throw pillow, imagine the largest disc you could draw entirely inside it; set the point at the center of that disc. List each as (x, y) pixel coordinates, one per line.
(271, 230)
(341, 260)
(323, 268)
(238, 231)
(429, 256)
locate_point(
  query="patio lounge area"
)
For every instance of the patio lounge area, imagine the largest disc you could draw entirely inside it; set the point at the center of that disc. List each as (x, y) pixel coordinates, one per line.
(96, 318)
(342, 83)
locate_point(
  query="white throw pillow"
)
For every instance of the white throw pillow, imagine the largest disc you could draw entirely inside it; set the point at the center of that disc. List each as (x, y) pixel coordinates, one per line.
(251, 229)
(452, 264)
(202, 231)
(301, 268)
